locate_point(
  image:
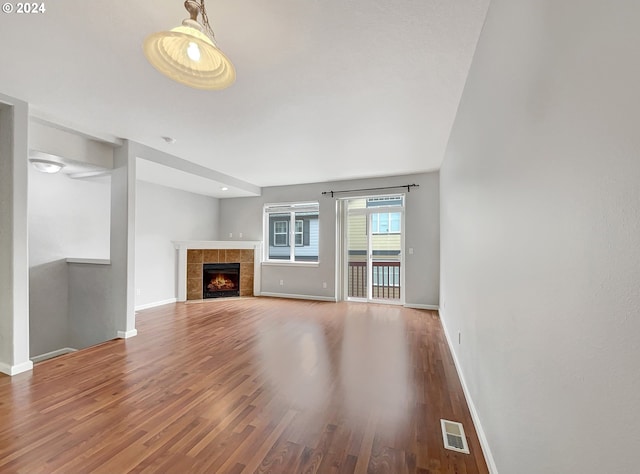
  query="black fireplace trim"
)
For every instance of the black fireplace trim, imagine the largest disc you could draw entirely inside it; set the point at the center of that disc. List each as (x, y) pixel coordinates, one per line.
(221, 267)
(230, 268)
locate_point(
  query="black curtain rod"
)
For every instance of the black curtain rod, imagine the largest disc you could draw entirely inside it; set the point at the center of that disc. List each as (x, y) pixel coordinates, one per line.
(408, 186)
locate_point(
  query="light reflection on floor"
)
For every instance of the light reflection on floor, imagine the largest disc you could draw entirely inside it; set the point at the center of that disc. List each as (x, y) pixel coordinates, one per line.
(294, 359)
(372, 370)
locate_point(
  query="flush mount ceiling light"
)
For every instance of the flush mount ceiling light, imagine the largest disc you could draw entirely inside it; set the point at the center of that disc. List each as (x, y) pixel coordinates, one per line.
(188, 53)
(46, 166)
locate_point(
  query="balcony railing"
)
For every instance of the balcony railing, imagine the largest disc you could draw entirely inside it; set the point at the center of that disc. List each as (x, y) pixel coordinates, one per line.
(386, 280)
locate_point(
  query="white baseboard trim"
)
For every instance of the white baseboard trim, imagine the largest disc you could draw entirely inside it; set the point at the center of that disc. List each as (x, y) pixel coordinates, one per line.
(484, 443)
(299, 297)
(157, 303)
(431, 307)
(127, 334)
(16, 369)
(52, 354)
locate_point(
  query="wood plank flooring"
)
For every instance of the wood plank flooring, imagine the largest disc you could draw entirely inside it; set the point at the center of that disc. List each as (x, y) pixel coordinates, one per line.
(241, 386)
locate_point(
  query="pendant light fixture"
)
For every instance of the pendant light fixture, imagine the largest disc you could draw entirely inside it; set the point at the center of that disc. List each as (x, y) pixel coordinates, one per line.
(188, 53)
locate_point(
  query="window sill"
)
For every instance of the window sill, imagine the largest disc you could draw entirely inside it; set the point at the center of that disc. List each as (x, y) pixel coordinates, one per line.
(283, 263)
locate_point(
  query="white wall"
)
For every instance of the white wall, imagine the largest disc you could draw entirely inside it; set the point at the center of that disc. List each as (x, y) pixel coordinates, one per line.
(540, 215)
(245, 215)
(163, 215)
(67, 218)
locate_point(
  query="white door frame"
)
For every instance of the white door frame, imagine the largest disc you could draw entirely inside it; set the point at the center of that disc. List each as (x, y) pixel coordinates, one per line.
(342, 247)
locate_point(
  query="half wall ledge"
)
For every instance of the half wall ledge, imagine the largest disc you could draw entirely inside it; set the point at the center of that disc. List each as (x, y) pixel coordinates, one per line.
(90, 261)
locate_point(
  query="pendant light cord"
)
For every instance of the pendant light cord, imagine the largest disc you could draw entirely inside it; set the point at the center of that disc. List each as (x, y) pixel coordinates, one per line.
(197, 6)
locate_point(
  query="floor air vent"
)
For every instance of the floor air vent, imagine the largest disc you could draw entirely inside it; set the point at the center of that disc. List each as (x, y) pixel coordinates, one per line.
(453, 436)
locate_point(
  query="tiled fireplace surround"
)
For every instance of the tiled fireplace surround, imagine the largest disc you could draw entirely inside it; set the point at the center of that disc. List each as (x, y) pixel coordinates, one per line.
(197, 257)
(192, 256)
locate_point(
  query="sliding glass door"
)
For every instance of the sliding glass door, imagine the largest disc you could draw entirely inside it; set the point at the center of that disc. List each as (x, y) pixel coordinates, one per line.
(373, 248)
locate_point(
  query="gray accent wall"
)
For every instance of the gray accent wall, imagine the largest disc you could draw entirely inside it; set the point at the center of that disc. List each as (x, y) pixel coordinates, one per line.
(245, 216)
(540, 213)
(162, 216)
(90, 297)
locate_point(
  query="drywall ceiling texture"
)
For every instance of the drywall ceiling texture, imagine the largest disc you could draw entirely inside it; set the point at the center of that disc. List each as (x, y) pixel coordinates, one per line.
(325, 90)
(540, 223)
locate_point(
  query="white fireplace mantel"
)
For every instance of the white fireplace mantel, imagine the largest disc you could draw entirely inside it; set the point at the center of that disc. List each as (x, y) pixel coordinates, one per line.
(183, 245)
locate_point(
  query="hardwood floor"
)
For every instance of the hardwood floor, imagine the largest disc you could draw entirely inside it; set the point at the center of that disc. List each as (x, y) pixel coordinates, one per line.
(245, 385)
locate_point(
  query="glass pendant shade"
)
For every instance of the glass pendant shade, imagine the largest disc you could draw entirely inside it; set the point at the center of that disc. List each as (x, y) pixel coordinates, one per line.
(186, 55)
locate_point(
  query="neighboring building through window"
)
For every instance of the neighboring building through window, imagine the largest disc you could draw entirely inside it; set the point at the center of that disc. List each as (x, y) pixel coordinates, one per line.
(280, 231)
(295, 223)
(299, 233)
(385, 222)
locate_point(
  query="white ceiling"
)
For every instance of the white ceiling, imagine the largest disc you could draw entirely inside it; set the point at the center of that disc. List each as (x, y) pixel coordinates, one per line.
(326, 90)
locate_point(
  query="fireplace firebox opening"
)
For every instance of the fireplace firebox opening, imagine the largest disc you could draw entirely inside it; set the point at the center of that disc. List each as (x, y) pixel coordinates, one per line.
(220, 280)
